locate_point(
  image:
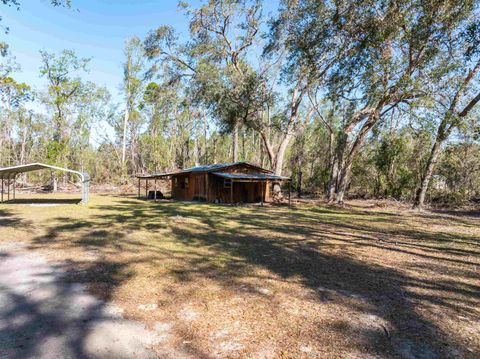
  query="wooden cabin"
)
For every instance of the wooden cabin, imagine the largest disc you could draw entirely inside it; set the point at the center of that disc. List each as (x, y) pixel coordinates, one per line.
(239, 182)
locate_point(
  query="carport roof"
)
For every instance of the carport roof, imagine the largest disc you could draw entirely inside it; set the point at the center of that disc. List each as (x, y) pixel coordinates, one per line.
(7, 172)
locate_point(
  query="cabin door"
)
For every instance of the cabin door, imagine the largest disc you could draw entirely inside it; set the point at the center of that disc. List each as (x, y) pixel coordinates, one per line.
(199, 188)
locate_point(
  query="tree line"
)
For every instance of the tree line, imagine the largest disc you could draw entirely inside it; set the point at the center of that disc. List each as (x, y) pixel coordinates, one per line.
(377, 98)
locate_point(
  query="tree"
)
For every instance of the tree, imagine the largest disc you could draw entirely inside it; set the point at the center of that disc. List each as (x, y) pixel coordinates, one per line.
(223, 32)
(13, 96)
(459, 167)
(384, 52)
(8, 64)
(133, 82)
(72, 102)
(456, 97)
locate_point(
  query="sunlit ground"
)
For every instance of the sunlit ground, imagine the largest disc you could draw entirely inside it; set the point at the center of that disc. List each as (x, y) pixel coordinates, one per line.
(307, 281)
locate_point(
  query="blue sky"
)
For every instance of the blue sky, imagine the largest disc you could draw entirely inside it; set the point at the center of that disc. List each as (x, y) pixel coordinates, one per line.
(93, 28)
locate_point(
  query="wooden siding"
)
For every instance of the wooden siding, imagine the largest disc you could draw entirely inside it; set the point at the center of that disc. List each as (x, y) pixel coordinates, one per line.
(211, 188)
(242, 191)
(182, 188)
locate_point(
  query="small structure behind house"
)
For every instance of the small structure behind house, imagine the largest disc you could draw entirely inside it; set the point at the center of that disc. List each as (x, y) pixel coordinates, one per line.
(9, 175)
(238, 182)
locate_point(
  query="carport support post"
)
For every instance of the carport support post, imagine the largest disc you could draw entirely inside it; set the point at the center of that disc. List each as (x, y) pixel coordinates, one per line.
(155, 194)
(146, 189)
(8, 187)
(14, 182)
(231, 192)
(2, 188)
(138, 188)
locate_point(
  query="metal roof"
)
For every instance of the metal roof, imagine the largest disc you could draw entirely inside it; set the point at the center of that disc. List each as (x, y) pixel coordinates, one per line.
(157, 175)
(8, 172)
(204, 168)
(213, 167)
(250, 176)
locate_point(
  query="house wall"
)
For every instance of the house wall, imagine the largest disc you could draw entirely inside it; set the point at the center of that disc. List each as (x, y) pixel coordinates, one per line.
(207, 187)
(189, 186)
(242, 191)
(182, 187)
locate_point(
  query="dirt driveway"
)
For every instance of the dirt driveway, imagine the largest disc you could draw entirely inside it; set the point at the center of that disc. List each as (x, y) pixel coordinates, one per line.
(44, 315)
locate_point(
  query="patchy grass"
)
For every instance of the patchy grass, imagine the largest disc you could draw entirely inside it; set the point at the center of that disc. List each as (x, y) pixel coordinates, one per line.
(308, 281)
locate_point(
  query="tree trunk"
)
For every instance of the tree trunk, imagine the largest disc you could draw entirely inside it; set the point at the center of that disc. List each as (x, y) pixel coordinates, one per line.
(332, 181)
(196, 152)
(23, 148)
(333, 166)
(214, 151)
(346, 163)
(124, 140)
(427, 176)
(54, 184)
(24, 142)
(278, 168)
(235, 143)
(281, 154)
(338, 165)
(268, 149)
(442, 134)
(444, 131)
(173, 141)
(279, 158)
(186, 157)
(300, 174)
(343, 178)
(205, 136)
(244, 151)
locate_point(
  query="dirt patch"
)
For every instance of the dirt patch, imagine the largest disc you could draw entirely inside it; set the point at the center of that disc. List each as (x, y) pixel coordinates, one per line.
(44, 315)
(310, 281)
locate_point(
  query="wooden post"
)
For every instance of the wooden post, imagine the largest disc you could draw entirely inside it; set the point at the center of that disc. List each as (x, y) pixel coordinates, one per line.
(267, 190)
(14, 182)
(139, 188)
(146, 188)
(155, 194)
(231, 192)
(8, 188)
(262, 184)
(290, 192)
(207, 199)
(2, 188)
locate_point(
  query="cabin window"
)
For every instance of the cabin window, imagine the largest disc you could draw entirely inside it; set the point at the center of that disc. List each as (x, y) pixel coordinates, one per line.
(183, 182)
(227, 183)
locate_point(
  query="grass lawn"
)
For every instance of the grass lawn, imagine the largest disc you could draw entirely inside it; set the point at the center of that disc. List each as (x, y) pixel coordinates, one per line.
(308, 281)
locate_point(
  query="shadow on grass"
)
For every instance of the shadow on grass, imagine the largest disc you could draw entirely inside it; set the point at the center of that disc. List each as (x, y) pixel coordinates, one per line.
(291, 245)
(44, 313)
(45, 201)
(9, 219)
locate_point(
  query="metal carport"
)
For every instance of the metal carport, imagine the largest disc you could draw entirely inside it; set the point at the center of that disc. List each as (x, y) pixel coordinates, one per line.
(7, 174)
